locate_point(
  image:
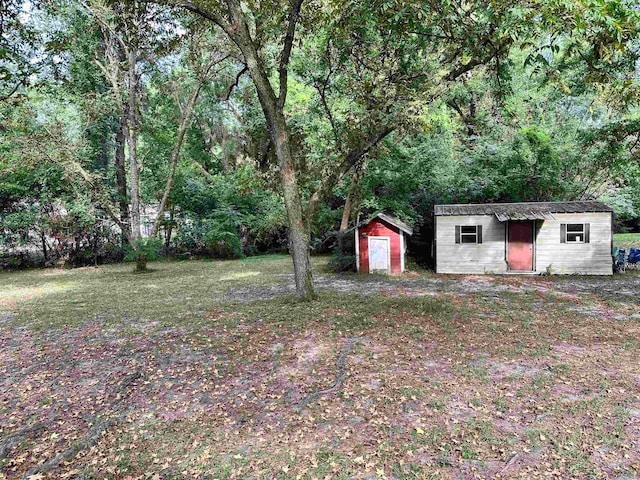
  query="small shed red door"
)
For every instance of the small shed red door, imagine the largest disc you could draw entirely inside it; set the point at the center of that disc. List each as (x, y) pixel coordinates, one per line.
(520, 246)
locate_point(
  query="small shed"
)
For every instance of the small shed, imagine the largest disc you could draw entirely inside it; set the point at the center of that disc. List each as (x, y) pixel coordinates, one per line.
(381, 244)
(531, 237)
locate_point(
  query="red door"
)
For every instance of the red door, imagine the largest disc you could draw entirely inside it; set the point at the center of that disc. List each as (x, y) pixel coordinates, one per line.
(520, 246)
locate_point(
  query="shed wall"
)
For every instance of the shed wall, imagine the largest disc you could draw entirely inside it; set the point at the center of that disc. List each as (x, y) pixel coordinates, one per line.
(378, 228)
(593, 258)
(487, 257)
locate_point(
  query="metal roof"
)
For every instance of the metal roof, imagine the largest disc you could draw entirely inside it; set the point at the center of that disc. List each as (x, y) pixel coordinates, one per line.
(391, 220)
(521, 211)
(503, 217)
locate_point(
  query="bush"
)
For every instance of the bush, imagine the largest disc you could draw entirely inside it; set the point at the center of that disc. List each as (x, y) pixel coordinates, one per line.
(342, 263)
(143, 251)
(343, 258)
(209, 238)
(223, 244)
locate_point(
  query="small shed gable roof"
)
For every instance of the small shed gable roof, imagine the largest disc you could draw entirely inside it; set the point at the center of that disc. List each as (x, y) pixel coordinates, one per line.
(399, 224)
(521, 211)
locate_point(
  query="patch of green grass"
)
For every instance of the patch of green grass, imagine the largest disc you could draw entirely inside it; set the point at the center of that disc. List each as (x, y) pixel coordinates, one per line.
(501, 404)
(539, 384)
(536, 437)
(413, 392)
(472, 370)
(175, 292)
(327, 462)
(467, 452)
(432, 436)
(569, 449)
(631, 344)
(560, 368)
(437, 403)
(613, 435)
(627, 240)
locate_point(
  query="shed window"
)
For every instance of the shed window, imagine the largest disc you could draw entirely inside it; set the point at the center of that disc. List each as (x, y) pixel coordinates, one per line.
(469, 234)
(574, 233)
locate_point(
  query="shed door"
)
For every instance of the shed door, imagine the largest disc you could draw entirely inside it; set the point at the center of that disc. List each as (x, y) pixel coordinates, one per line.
(520, 246)
(379, 255)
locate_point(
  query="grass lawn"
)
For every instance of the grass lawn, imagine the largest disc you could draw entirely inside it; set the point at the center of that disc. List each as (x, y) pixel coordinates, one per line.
(627, 240)
(213, 370)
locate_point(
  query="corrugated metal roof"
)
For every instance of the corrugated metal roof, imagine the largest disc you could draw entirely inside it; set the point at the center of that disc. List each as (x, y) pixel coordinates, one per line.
(521, 211)
(503, 217)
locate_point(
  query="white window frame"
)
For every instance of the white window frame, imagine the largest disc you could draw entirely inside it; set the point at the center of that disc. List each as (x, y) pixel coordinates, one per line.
(474, 234)
(567, 232)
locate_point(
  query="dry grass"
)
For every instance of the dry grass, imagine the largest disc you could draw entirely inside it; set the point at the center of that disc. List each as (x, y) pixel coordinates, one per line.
(508, 378)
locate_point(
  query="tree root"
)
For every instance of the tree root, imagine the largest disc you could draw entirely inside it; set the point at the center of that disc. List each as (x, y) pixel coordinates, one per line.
(94, 433)
(509, 463)
(13, 439)
(341, 376)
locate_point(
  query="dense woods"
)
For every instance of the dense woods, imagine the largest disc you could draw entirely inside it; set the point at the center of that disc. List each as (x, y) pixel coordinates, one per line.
(222, 129)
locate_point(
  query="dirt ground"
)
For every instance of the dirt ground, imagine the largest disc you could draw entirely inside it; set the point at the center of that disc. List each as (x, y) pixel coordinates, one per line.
(421, 376)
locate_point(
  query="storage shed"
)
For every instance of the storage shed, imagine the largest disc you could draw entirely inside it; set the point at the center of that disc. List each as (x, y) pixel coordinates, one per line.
(534, 237)
(381, 244)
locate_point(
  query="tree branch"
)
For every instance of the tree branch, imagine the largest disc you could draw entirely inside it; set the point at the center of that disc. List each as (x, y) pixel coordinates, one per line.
(350, 160)
(286, 51)
(13, 90)
(198, 10)
(185, 120)
(235, 83)
(479, 60)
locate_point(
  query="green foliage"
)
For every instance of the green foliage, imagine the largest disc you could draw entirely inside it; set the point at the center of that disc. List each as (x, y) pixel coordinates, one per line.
(505, 101)
(210, 238)
(143, 251)
(342, 263)
(222, 243)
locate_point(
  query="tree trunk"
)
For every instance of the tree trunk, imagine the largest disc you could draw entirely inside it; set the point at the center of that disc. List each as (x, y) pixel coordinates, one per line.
(43, 239)
(121, 175)
(167, 233)
(185, 121)
(134, 174)
(346, 213)
(299, 232)
(348, 206)
(141, 262)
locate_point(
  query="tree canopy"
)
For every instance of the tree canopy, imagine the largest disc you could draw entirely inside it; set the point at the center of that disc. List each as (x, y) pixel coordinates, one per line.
(227, 128)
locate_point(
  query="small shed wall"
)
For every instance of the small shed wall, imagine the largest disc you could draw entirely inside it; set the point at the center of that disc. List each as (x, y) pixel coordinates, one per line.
(487, 257)
(378, 228)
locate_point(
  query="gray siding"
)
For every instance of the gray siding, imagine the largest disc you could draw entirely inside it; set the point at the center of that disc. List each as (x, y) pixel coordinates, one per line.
(488, 257)
(592, 258)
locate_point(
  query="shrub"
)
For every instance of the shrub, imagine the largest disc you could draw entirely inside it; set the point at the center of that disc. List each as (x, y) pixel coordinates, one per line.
(143, 251)
(342, 263)
(222, 243)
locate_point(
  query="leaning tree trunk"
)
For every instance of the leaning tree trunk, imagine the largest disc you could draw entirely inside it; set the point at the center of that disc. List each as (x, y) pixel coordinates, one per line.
(346, 215)
(273, 109)
(351, 200)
